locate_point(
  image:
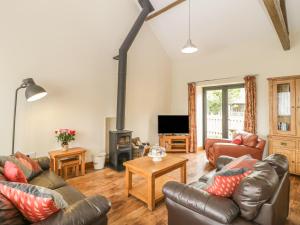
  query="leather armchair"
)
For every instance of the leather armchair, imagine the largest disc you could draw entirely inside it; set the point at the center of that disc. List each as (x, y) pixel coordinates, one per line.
(190, 204)
(251, 144)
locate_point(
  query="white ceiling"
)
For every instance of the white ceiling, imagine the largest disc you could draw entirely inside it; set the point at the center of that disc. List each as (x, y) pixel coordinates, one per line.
(218, 24)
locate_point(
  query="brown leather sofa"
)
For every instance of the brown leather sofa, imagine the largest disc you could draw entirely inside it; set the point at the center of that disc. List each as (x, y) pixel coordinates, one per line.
(262, 198)
(82, 210)
(251, 144)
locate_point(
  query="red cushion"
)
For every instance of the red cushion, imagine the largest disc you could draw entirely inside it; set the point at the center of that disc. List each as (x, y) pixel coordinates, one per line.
(224, 185)
(237, 140)
(14, 173)
(30, 164)
(34, 202)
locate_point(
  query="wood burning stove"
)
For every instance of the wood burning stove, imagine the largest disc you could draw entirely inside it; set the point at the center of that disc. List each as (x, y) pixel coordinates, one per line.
(120, 140)
(120, 149)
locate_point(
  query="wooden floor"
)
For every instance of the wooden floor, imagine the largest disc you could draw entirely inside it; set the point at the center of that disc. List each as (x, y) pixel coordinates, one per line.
(130, 211)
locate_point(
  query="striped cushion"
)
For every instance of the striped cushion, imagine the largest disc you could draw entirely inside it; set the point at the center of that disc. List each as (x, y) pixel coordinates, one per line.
(30, 164)
(9, 214)
(14, 160)
(34, 202)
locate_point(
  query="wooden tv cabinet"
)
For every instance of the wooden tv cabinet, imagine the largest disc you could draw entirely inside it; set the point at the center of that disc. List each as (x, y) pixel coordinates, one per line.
(175, 143)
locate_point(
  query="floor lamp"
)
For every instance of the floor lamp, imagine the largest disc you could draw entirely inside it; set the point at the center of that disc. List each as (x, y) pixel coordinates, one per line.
(33, 92)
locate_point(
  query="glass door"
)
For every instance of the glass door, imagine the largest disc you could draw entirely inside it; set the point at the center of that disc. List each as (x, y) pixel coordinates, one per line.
(224, 108)
(284, 107)
(213, 113)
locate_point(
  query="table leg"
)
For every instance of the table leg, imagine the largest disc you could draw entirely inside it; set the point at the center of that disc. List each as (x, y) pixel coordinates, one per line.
(151, 192)
(51, 164)
(83, 164)
(128, 181)
(55, 166)
(183, 173)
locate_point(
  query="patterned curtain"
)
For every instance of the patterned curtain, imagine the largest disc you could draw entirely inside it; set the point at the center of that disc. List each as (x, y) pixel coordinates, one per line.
(250, 110)
(192, 116)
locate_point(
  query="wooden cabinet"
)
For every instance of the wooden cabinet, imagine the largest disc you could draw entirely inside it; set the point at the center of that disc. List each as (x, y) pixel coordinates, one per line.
(177, 143)
(284, 113)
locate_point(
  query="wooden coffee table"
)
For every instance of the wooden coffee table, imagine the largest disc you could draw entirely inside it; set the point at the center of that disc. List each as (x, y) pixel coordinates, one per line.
(150, 191)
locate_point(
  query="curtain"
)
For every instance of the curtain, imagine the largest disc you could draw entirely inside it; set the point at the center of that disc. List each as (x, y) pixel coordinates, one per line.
(192, 116)
(250, 109)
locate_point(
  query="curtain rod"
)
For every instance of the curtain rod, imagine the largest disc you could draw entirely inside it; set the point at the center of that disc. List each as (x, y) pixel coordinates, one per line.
(224, 78)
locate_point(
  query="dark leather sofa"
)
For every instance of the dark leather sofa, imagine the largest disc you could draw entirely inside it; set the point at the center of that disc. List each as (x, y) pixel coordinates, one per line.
(82, 210)
(188, 204)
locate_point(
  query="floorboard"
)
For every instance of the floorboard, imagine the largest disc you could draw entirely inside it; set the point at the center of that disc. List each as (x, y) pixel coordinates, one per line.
(130, 211)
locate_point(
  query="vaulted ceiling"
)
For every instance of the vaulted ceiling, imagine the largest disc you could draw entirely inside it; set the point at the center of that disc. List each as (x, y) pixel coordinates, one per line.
(219, 24)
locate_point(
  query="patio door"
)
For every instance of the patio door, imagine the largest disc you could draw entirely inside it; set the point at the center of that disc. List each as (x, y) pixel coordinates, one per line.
(223, 110)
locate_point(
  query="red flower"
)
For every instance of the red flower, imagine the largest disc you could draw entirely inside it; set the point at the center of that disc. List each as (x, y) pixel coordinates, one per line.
(72, 132)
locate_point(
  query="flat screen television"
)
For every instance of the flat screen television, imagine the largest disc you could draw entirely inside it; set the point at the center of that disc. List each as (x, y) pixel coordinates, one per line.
(178, 124)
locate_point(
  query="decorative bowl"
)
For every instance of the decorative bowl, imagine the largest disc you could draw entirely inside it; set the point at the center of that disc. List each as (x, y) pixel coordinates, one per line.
(157, 157)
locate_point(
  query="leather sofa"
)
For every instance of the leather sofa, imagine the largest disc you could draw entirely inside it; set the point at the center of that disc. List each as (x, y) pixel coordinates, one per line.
(190, 204)
(251, 144)
(82, 210)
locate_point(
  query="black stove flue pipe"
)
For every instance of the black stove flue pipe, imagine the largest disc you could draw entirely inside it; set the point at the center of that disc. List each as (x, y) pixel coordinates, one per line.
(122, 57)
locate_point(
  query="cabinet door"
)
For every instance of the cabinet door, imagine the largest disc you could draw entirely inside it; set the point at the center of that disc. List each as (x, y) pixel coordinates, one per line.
(291, 158)
(298, 162)
(298, 106)
(284, 113)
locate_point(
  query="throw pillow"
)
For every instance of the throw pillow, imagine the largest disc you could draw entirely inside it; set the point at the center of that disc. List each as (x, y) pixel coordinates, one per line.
(9, 214)
(14, 173)
(34, 202)
(4, 159)
(30, 164)
(225, 182)
(245, 161)
(237, 140)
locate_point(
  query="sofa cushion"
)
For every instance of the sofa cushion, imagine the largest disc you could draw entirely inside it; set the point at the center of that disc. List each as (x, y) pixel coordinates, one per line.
(245, 161)
(256, 189)
(34, 202)
(249, 139)
(225, 181)
(9, 214)
(70, 194)
(48, 179)
(4, 159)
(30, 164)
(14, 173)
(279, 163)
(237, 140)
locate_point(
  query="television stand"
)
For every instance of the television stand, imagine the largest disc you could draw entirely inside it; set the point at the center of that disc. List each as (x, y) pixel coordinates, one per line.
(175, 143)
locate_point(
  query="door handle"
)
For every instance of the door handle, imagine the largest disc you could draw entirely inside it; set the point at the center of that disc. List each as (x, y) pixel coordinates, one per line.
(283, 143)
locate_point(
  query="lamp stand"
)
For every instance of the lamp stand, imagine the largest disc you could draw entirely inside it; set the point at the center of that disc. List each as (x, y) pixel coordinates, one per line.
(14, 118)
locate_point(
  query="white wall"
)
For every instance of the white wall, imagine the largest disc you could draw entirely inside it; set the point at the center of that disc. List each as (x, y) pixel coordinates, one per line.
(264, 58)
(67, 47)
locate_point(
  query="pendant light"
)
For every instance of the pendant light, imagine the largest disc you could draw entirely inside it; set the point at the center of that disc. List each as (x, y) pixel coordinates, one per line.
(189, 47)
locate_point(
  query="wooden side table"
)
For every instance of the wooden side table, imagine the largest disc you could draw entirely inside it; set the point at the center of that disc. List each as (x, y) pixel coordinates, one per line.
(57, 155)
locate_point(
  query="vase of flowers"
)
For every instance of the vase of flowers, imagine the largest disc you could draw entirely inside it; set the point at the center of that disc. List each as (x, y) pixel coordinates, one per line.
(65, 136)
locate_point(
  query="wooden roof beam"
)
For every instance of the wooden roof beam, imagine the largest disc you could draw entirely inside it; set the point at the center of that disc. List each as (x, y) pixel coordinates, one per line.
(278, 15)
(163, 10)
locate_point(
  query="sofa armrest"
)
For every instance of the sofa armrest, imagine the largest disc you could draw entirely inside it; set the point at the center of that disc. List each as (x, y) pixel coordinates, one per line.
(84, 212)
(44, 162)
(223, 210)
(211, 141)
(223, 160)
